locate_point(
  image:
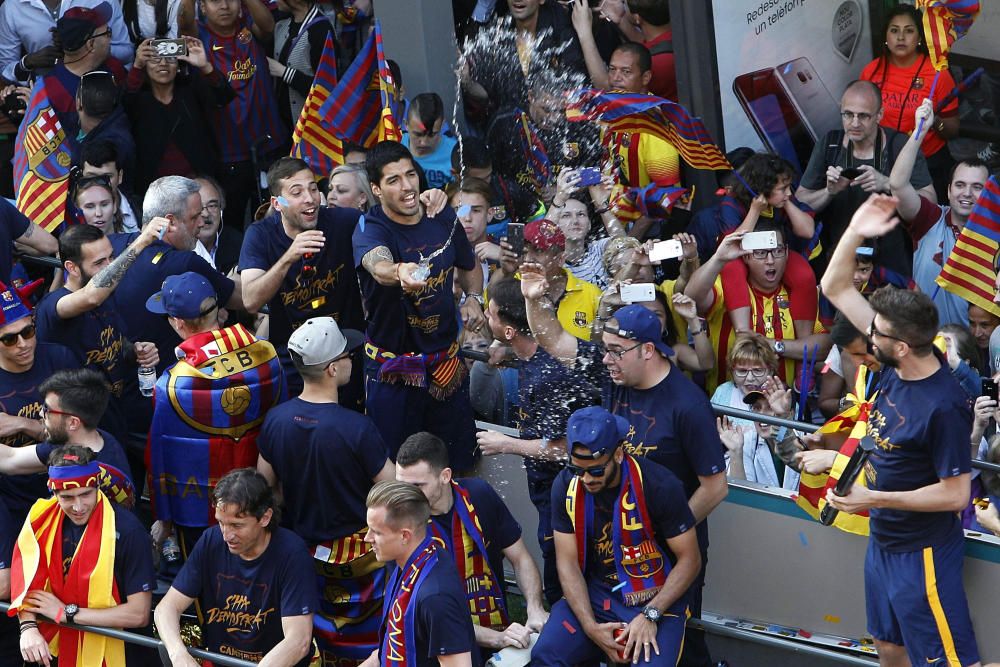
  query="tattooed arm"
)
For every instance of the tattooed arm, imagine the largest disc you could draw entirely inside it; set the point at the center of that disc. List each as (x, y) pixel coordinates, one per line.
(100, 287)
(37, 239)
(379, 262)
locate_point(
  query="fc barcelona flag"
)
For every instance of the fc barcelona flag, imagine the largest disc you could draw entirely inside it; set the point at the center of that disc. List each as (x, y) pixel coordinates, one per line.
(313, 140)
(539, 167)
(970, 270)
(41, 163)
(628, 112)
(944, 22)
(359, 109)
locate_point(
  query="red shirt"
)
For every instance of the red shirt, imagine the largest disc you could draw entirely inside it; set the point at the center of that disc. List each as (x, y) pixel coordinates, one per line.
(903, 89)
(664, 81)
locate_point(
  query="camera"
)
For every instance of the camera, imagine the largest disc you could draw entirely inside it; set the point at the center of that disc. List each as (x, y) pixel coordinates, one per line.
(12, 104)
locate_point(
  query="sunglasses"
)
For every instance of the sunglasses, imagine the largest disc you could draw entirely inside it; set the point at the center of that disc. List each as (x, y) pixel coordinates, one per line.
(10, 340)
(595, 471)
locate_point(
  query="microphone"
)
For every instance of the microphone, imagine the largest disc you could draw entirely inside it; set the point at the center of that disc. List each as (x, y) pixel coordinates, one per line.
(847, 479)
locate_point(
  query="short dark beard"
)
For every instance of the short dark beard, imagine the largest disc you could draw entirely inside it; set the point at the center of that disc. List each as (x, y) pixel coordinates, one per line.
(885, 359)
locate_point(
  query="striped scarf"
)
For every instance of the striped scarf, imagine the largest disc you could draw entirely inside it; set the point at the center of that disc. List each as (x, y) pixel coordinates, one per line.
(641, 564)
(398, 632)
(486, 601)
(441, 373)
(90, 582)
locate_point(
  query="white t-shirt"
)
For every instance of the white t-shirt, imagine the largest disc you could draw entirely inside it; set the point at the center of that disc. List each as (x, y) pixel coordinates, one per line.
(590, 267)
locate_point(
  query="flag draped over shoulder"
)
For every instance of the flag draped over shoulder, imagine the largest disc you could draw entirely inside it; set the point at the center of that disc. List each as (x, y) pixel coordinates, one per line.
(537, 160)
(944, 22)
(629, 112)
(41, 163)
(359, 109)
(970, 270)
(854, 421)
(313, 140)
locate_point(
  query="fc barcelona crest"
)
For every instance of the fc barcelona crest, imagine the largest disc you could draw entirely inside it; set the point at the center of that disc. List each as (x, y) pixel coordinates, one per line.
(580, 318)
(642, 561)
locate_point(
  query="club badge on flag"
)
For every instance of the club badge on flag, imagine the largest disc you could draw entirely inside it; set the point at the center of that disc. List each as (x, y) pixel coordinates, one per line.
(41, 163)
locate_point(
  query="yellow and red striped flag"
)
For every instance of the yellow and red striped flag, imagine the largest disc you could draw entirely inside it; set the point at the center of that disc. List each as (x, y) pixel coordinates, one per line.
(41, 163)
(313, 140)
(944, 22)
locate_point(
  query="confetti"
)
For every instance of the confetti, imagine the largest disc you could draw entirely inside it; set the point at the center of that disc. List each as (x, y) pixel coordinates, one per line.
(607, 604)
(619, 586)
(803, 539)
(569, 628)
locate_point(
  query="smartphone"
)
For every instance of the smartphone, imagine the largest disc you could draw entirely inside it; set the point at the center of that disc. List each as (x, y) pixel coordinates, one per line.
(816, 106)
(989, 388)
(589, 176)
(774, 116)
(169, 48)
(759, 241)
(638, 292)
(515, 237)
(850, 173)
(662, 250)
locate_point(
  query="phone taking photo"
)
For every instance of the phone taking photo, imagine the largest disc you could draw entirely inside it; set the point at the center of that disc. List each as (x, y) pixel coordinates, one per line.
(663, 250)
(759, 241)
(515, 237)
(638, 293)
(169, 48)
(589, 176)
(989, 388)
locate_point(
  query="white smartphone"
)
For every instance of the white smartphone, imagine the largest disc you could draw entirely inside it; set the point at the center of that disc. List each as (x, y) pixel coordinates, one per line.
(638, 292)
(759, 241)
(662, 250)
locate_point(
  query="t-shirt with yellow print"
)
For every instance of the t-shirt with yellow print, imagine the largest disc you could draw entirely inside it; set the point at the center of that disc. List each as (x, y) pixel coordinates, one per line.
(578, 306)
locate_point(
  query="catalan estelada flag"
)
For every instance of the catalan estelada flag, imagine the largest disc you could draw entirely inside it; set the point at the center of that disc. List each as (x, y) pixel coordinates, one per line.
(41, 163)
(853, 420)
(970, 270)
(359, 109)
(944, 22)
(629, 112)
(313, 140)
(537, 160)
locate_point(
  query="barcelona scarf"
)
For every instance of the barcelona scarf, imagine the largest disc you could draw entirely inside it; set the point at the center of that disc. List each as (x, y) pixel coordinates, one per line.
(38, 565)
(208, 411)
(641, 564)
(539, 166)
(398, 646)
(482, 588)
(313, 141)
(352, 582)
(441, 373)
(41, 163)
(635, 113)
(970, 270)
(654, 200)
(944, 22)
(854, 422)
(359, 109)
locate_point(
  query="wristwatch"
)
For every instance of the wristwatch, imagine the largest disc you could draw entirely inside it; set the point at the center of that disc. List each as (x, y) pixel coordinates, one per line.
(652, 614)
(779, 347)
(69, 611)
(477, 297)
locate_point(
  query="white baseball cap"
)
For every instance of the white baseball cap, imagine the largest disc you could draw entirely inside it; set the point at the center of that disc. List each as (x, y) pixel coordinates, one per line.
(319, 340)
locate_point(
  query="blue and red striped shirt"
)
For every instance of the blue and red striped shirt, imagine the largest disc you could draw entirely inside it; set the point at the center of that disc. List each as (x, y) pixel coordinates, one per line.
(254, 111)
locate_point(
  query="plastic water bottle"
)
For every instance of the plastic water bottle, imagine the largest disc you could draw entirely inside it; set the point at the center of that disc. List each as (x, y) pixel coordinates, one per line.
(170, 551)
(147, 380)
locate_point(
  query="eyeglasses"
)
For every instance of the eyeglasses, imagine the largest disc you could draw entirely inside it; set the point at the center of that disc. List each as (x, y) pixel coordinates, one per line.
(106, 33)
(849, 116)
(170, 60)
(777, 253)
(10, 340)
(743, 372)
(620, 354)
(46, 410)
(212, 207)
(872, 332)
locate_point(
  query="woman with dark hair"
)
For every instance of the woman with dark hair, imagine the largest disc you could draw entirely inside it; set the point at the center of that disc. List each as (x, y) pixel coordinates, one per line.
(905, 74)
(150, 19)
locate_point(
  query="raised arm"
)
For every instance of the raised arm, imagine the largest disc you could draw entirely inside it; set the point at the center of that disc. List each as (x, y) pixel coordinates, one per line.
(699, 286)
(542, 319)
(263, 21)
(187, 24)
(388, 273)
(902, 170)
(583, 24)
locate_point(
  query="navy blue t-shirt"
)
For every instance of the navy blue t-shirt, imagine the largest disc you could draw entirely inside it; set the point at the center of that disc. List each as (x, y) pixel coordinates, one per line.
(500, 528)
(243, 601)
(134, 571)
(665, 500)
(443, 622)
(326, 457)
(111, 453)
(331, 291)
(19, 397)
(921, 432)
(13, 225)
(424, 322)
(145, 278)
(97, 338)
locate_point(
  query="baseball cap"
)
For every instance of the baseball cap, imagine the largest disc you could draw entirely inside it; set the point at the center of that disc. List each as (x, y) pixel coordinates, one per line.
(544, 234)
(12, 305)
(77, 25)
(596, 429)
(638, 323)
(753, 396)
(319, 340)
(182, 296)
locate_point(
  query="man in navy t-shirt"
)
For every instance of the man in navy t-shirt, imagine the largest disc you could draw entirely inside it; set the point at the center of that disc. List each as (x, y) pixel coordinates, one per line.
(413, 378)
(178, 200)
(254, 582)
(325, 458)
(298, 261)
(425, 618)
(918, 476)
(635, 580)
(472, 509)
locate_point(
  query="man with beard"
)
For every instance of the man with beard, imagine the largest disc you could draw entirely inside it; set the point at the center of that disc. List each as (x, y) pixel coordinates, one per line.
(918, 476)
(298, 261)
(72, 404)
(81, 317)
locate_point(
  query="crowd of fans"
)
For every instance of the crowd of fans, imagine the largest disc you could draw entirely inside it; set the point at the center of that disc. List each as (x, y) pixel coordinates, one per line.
(321, 347)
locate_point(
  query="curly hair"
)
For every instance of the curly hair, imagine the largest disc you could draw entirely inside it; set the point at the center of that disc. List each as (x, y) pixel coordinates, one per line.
(762, 172)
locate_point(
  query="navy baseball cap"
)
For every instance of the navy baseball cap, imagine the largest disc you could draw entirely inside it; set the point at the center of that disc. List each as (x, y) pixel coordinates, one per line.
(78, 24)
(638, 323)
(596, 429)
(182, 296)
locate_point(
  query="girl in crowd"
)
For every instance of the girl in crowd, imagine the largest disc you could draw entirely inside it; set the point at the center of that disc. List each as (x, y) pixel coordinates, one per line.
(95, 199)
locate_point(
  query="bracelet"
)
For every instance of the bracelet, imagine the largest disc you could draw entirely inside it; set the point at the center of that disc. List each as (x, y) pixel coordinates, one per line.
(59, 617)
(398, 279)
(23, 66)
(26, 625)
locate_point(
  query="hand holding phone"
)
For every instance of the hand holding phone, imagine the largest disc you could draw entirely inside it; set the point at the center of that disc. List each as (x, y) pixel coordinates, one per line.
(169, 48)
(515, 237)
(989, 388)
(638, 293)
(663, 250)
(850, 173)
(759, 241)
(589, 176)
